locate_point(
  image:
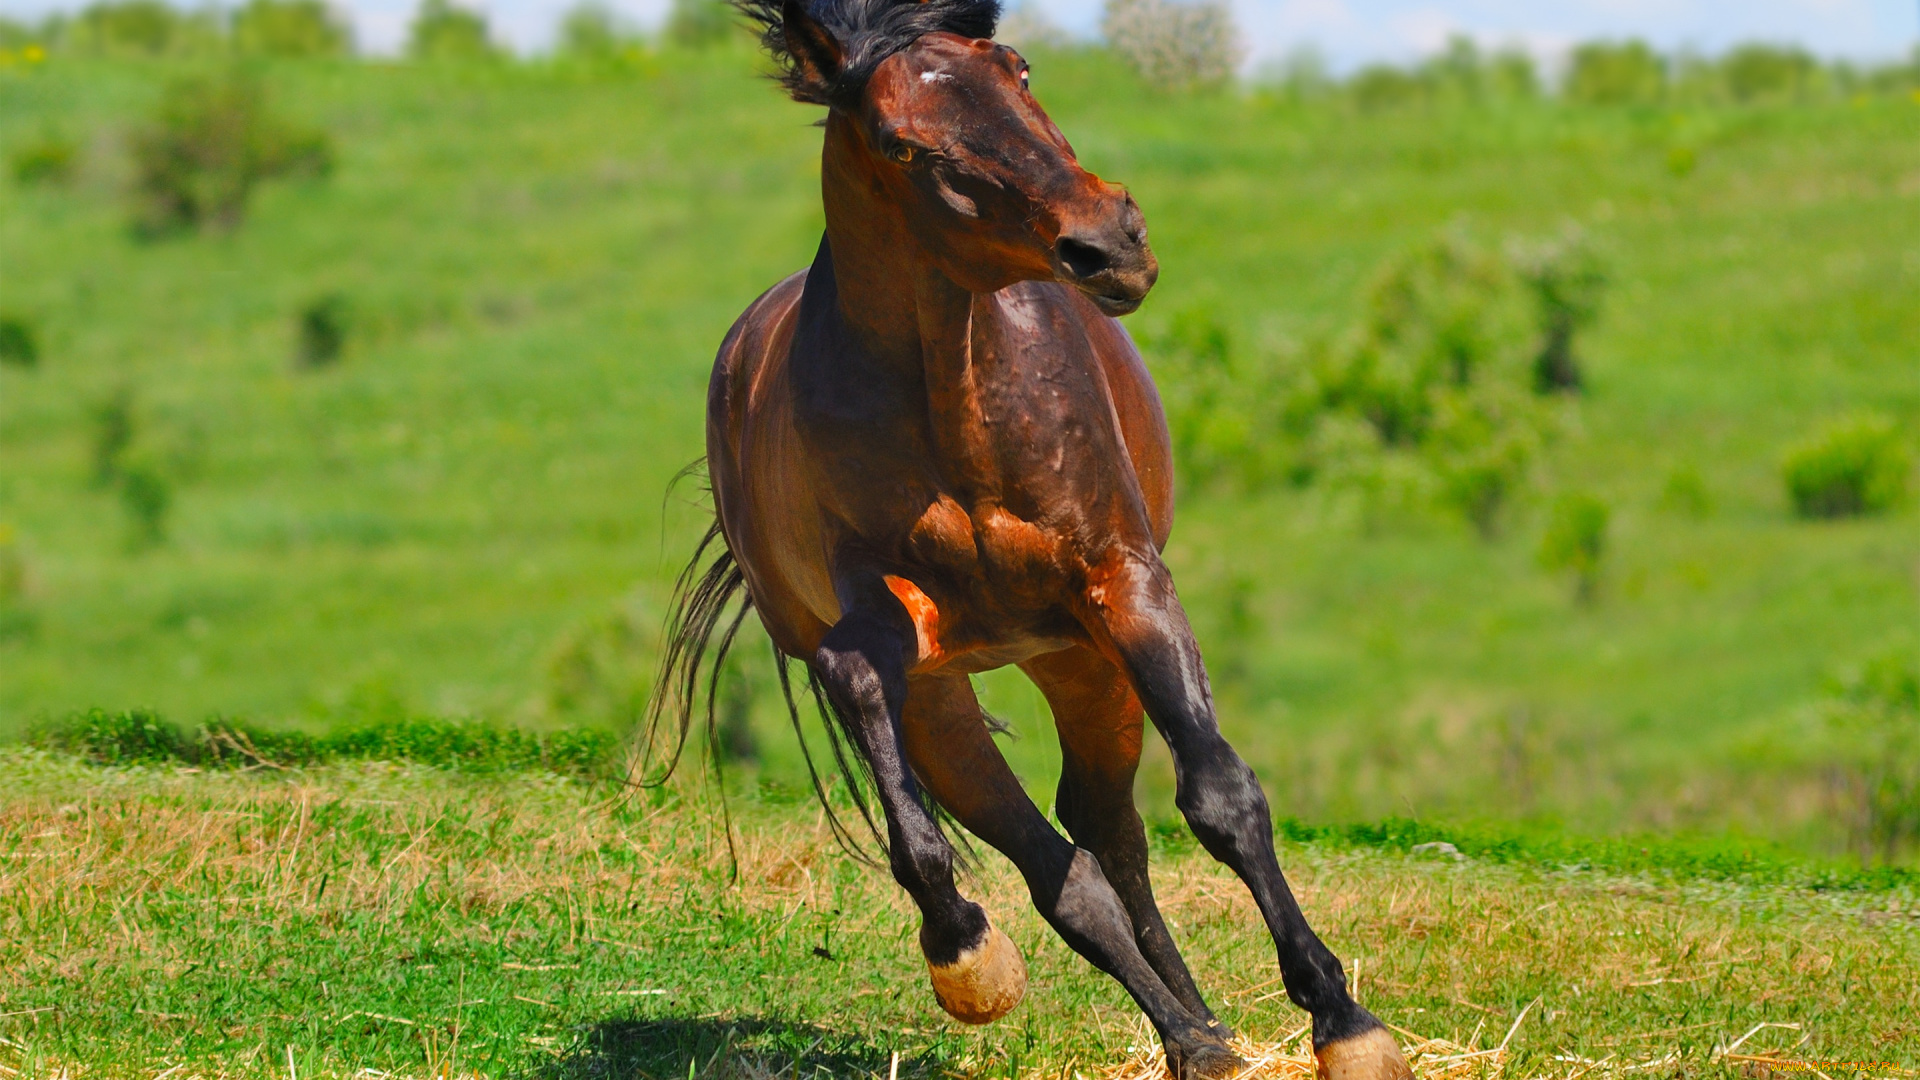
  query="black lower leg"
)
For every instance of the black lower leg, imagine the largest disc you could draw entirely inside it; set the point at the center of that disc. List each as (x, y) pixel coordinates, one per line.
(1102, 819)
(862, 664)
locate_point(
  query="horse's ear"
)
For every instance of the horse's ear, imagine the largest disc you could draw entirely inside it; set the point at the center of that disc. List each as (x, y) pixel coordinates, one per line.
(817, 57)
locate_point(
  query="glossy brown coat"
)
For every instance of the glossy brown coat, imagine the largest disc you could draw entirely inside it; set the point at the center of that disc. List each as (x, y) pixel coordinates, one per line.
(936, 452)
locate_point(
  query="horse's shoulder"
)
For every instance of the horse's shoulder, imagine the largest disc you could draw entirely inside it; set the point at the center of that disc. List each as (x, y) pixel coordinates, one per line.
(1130, 391)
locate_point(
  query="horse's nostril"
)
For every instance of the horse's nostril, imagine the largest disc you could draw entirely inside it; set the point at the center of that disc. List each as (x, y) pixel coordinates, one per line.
(1082, 260)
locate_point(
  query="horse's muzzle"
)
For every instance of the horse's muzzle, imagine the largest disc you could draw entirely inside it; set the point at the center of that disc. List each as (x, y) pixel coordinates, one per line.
(1108, 258)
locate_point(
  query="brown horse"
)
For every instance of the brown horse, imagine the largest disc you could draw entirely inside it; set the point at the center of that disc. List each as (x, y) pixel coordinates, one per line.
(935, 452)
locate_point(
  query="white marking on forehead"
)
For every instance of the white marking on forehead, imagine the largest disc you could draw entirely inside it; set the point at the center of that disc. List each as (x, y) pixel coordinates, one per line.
(935, 76)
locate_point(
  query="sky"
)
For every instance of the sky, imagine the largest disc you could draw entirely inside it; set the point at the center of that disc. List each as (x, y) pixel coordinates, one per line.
(1346, 32)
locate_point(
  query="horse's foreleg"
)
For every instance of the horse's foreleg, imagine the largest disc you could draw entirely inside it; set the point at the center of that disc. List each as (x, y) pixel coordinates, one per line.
(947, 741)
(1137, 620)
(1099, 723)
(977, 972)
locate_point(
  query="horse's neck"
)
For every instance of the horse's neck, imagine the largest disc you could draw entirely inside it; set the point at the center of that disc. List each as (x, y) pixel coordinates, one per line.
(907, 313)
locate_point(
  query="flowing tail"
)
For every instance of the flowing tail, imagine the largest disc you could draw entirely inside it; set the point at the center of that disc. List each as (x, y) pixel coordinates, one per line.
(710, 605)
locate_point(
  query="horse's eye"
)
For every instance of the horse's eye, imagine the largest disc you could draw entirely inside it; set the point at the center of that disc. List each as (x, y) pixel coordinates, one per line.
(1024, 80)
(902, 153)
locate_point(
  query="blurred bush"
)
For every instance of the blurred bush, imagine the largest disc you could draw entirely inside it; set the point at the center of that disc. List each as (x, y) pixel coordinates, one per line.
(699, 23)
(1873, 718)
(1566, 280)
(1616, 73)
(1175, 44)
(1576, 541)
(1854, 466)
(291, 28)
(19, 345)
(1685, 492)
(1431, 397)
(146, 496)
(1753, 73)
(113, 430)
(50, 159)
(211, 141)
(320, 331)
(442, 31)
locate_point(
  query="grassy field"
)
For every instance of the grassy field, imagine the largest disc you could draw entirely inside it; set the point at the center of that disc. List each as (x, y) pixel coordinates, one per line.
(418, 921)
(466, 516)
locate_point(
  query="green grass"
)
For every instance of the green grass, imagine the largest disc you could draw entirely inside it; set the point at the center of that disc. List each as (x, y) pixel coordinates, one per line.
(466, 514)
(425, 921)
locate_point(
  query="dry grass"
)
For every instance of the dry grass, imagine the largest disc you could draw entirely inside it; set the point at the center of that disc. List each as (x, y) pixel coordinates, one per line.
(415, 923)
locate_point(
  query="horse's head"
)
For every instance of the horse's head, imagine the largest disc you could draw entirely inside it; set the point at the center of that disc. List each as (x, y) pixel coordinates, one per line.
(942, 121)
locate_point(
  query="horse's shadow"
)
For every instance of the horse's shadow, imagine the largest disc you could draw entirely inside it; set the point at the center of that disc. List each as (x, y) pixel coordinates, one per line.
(736, 1048)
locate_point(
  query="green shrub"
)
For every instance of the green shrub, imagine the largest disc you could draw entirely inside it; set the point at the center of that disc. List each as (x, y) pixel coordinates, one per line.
(112, 433)
(19, 345)
(146, 496)
(209, 144)
(51, 159)
(291, 28)
(1874, 718)
(1616, 73)
(1576, 541)
(1565, 280)
(1379, 87)
(321, 331)
(1848, 468)
(1685, 492)
(442, 31)
(1768, 73)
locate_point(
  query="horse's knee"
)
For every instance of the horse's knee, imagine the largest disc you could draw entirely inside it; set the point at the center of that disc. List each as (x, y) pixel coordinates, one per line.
(1223, 803)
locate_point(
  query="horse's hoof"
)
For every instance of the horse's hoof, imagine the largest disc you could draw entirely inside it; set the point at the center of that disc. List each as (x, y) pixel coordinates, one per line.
(1370, 1055)
(984, 983)
(1207, 1061)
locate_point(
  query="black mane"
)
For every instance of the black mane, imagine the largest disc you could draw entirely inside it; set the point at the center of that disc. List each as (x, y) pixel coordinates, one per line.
(868, 31)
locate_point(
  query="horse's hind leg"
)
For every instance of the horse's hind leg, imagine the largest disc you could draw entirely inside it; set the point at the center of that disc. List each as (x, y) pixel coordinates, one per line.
(1100, 723)
(951, 750)
(1138, 622)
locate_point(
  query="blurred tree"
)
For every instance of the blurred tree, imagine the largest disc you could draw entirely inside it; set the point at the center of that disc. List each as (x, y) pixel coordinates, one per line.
(142, 28)
(291, 28)
(593, 33)
(209, 144)
(1609, 73)
(1175, 44)
(1378, 87)
(443, 31)
(1758, 72)
(1511, 75)
(1300, 76)
(699, 23)
(1565, 279)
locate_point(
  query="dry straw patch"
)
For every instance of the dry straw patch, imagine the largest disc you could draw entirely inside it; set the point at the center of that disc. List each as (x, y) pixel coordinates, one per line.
(414, 894)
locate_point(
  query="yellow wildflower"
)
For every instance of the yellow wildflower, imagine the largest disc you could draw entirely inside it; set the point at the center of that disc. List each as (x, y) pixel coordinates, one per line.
(33, 54)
